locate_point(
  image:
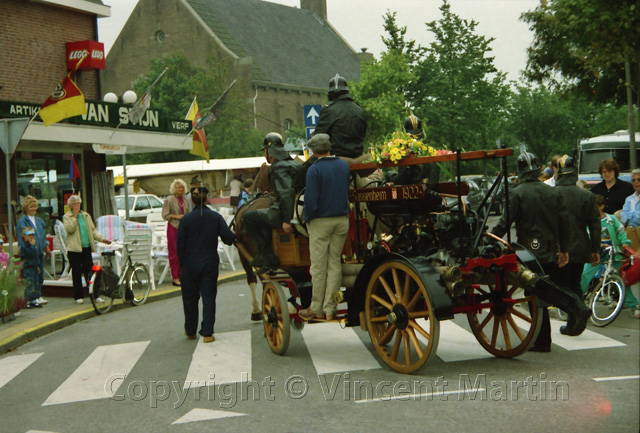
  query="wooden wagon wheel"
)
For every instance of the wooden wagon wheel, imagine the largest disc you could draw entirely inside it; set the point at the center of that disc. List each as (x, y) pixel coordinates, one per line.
(507, 321)
(400, 317)
(276, 317)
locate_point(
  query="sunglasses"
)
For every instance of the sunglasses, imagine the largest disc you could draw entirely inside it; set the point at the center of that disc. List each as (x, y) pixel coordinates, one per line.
(635, 179)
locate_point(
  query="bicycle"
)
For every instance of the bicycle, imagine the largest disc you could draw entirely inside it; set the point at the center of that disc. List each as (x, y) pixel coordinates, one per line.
(105, 285)
(605, 293)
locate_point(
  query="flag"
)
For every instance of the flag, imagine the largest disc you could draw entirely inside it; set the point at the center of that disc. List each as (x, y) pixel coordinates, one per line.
(140, 107)
(66, 101)
(74, 173)
(214, 111)
(200, 146)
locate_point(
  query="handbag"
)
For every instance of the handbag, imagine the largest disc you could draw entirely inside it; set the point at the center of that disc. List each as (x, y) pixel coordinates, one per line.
(633, 233)
(630, 269)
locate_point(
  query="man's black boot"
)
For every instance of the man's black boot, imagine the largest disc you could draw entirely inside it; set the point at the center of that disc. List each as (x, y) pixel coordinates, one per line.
(565, 300)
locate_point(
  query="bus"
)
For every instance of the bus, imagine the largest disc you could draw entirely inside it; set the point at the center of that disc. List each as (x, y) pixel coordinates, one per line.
(593, 150)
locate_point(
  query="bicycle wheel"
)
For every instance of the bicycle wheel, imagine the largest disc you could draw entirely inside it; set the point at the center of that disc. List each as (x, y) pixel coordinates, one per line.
(101, 302)
(139, 283)
(607, 301)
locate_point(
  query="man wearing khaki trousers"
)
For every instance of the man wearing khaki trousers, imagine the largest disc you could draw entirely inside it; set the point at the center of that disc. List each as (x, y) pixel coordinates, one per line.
(325, 210)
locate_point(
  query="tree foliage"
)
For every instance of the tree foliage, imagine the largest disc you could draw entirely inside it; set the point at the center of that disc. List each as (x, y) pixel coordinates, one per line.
(458, 92)
(230, 136)
(581, 45)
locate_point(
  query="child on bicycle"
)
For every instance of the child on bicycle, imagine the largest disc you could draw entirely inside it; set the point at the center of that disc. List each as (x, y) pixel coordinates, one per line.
(613, 233)
(29, 253)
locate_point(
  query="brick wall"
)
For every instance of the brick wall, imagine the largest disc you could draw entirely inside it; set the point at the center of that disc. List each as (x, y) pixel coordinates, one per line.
(32, 50)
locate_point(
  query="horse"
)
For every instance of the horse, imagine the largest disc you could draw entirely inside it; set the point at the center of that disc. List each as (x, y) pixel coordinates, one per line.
(246, 249)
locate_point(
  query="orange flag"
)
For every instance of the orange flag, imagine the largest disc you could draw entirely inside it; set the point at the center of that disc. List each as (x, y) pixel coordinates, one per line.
(200, 146)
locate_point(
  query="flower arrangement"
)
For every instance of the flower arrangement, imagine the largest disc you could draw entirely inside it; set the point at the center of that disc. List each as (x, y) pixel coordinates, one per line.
(402, 145)
(11, 299)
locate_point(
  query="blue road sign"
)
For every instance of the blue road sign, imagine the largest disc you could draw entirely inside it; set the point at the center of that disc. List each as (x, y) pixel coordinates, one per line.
(310, 130)
(311, 114)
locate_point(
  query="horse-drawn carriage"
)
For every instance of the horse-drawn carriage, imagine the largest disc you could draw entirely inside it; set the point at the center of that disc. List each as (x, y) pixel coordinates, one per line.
(432, 260)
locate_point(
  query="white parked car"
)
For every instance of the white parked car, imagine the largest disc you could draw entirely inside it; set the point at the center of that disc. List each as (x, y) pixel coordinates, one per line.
(140, 205)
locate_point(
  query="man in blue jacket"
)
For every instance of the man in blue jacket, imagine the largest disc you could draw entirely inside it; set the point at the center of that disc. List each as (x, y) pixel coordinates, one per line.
(198, 254)
(325, 210)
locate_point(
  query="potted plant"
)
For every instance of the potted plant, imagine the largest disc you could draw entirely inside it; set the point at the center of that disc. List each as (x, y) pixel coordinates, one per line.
(11, 299)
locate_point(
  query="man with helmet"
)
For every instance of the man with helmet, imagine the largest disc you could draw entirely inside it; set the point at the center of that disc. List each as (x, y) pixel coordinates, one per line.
(542, 227)
(283, 176)
(413, 174)
(343, 120)
(583, 211)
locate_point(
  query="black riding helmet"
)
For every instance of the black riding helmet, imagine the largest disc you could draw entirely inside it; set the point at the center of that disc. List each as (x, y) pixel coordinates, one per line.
(273, 143)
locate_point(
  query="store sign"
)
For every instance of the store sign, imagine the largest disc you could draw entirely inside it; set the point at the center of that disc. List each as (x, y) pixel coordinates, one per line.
(93, 50)
(100, 113)
(109, 149)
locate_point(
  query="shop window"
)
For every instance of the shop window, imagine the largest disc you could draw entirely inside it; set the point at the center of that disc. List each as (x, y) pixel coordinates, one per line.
(46, 177)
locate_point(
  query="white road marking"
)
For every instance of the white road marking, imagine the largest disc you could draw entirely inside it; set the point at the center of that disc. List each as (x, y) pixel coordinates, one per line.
(96, 376)
(458, 344)
(12, 366)
(335, 350)
(611, 378)
(206, 415)
(433, 395)
(226, 360)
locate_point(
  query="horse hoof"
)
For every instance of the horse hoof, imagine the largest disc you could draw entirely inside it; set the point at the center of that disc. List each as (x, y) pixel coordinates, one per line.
(256, 317)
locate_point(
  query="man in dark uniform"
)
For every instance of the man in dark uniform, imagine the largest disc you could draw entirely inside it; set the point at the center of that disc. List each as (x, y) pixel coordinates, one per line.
(283, 177)
(542, 226)
(343, 120)
(583, 211)
(414, 174)
(197, 247)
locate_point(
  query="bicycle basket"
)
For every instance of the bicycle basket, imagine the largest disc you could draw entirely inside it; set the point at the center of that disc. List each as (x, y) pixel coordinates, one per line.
(110, 282)
(630, 270)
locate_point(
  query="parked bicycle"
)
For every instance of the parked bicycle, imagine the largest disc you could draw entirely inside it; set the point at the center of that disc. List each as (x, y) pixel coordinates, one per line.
(605, 293)
(133, 283)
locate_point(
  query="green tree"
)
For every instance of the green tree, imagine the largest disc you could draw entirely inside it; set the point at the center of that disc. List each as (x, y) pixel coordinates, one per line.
(458, 91)
(231, 136)
(582, 45)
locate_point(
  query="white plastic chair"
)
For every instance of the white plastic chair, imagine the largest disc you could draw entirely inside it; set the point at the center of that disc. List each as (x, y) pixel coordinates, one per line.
(59, 241)
(141, 250)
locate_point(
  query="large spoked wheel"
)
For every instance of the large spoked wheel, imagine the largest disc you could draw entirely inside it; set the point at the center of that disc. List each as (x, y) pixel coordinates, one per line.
(101, 302)
(607, 301)
(140, 283)
(400, 318)
(275, 312)
(506, 321)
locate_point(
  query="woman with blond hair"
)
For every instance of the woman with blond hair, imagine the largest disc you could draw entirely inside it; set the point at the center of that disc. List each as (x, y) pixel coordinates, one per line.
(81, 237)
(175, 206)
(30, 220)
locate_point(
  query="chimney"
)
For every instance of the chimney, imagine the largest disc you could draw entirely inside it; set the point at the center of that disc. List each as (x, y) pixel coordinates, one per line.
(319, 7)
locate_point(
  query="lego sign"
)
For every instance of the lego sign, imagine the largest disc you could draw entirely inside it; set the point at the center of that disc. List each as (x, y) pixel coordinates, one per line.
(92, 49)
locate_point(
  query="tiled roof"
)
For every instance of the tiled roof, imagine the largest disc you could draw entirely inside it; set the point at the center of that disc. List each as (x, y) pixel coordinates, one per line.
(288, 45)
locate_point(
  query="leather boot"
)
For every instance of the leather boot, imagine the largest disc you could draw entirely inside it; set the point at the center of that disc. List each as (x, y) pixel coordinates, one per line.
(567, 301)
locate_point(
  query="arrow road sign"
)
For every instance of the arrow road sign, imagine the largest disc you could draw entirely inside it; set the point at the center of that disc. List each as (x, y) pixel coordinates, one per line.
(311, 114)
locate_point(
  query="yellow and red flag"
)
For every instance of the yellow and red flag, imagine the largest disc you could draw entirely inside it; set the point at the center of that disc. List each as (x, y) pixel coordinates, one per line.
(66, 100)
(200, 146)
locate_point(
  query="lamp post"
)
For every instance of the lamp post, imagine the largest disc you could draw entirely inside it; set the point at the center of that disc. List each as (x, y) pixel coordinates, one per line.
(129, 97)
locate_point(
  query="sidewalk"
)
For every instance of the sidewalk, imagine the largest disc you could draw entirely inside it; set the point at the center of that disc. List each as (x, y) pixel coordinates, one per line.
(63, 311)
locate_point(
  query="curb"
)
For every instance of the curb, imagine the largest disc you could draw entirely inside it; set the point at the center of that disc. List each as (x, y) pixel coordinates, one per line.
(64, 320)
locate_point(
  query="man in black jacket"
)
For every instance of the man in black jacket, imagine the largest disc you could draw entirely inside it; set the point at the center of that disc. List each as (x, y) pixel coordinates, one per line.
(197, 247)
(542, 226)
(283, 178)
(583, 212)
(344, 120)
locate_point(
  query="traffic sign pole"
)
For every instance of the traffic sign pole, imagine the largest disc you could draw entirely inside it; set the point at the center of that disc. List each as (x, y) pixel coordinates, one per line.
(13, 131)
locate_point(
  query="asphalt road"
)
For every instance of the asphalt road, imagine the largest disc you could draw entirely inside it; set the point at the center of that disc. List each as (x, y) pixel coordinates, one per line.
(133, 370)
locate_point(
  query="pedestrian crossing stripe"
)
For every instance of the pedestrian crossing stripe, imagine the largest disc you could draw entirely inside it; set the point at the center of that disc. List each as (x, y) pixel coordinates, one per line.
(206, 415)
(334, 349)
(93, 378)
(12, 366)
(227, 360)
(457, 344)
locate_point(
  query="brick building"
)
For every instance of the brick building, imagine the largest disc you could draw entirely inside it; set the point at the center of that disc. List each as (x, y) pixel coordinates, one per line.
(283, 57)
(34, 60)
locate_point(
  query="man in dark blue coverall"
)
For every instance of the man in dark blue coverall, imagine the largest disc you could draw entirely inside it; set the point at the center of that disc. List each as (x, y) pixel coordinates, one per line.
(198, 254)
